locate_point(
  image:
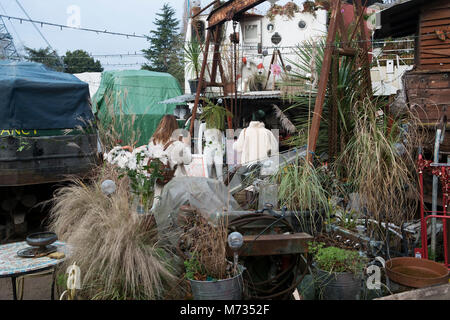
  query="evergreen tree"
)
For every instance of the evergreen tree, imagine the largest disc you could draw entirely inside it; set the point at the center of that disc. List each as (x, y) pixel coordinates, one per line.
(165, 53)
(46, 56)
(80, 61)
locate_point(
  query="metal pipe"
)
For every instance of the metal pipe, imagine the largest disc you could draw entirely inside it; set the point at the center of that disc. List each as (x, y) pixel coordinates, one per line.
(435, 192)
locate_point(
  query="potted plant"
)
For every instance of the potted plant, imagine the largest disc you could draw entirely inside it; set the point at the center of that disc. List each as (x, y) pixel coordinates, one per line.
(338, 272)
(256, 81)
(192, 52)
(214, 115)
(302, 188)
(203, 246)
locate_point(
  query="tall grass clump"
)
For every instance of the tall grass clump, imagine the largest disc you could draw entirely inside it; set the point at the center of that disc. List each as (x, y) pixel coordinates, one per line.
(302, 189)
(379, 161)
(120, 255)
(116, 127)
(206, 245)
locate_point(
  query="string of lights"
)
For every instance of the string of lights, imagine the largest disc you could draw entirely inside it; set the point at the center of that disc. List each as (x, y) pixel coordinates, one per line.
(134, 35)
(61, 26)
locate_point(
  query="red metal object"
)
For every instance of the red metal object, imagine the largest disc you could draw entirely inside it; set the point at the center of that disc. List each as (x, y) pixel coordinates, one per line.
(443, 172)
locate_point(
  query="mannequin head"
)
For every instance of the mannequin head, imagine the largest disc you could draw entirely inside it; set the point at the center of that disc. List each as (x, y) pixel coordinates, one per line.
(258, 115)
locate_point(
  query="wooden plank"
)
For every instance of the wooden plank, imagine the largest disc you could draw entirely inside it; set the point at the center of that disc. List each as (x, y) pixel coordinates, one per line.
(441, 292)
(429, 53)
(446, 28)
(274, 244)
(430, 80)
(434, 60)
(442, 4)
(428, 116)
(433, 67)
(435, 14)
(437, 46)
(435, 23)
(432, 41)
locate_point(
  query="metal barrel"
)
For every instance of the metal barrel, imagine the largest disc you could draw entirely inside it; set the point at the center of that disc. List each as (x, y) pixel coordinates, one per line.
(338, 286)
(228, 289)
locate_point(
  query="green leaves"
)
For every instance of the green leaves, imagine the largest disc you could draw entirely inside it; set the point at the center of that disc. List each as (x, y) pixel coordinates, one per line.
(80, 61)
(46, 56)
(214, 115)
(333, 259)
(192, 53)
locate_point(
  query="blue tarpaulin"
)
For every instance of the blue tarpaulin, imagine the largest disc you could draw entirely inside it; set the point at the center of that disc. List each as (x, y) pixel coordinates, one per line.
(35, 97)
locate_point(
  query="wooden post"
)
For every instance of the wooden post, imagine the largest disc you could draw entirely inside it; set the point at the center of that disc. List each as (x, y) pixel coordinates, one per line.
(201, 82)
(364, 46)
(333, 112)
(323, 81)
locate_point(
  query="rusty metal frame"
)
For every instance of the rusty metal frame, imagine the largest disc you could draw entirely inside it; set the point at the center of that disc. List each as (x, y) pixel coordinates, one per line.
(230, 10)
(337, 26)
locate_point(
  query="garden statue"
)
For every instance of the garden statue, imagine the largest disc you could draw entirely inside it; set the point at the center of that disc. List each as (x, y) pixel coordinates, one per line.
(213, 151)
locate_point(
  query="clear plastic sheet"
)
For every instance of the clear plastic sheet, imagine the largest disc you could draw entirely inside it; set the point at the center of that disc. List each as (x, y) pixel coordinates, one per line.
(208, 196)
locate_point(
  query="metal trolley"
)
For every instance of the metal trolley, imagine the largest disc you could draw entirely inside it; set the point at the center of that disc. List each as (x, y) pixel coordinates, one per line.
(442, 171)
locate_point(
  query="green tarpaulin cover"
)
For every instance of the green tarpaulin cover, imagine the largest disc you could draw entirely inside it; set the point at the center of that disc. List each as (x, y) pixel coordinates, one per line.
(128, 100)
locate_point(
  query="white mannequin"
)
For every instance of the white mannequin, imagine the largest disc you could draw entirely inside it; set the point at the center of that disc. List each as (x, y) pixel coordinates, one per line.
(213, 153)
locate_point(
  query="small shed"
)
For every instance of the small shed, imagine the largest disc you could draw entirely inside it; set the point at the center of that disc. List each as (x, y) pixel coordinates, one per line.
(427, 85)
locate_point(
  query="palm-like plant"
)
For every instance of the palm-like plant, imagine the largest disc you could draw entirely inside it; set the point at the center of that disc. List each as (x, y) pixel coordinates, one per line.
(192, 52)
(304, 77)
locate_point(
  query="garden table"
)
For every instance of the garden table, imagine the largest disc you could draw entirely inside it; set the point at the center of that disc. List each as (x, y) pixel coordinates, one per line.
(14, 267)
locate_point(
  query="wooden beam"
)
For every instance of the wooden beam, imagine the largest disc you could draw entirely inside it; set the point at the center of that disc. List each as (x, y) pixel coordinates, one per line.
(274, 244)
(201, 82)
(204, 9)
(323, 80)
(229, 10)
(349, 52)
(364, 45)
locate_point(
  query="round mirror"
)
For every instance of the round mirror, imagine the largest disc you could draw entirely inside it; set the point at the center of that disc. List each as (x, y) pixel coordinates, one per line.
(276, 38)
(302, 24)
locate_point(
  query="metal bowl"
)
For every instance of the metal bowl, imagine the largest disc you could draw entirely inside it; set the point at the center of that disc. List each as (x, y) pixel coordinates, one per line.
(41, 239)
(416, 273)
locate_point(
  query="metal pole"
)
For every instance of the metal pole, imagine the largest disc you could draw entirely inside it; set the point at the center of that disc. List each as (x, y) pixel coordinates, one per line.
(435, 193)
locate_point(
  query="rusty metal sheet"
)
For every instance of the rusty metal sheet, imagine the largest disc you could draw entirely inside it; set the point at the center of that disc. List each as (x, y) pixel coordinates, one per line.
(274, 244)
(229, 10)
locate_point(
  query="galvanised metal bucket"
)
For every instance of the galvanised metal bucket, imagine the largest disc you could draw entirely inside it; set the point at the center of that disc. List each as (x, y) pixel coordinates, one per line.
(338, 285)
(228, 289)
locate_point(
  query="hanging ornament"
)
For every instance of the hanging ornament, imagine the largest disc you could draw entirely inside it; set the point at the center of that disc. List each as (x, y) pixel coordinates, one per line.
(275, 69)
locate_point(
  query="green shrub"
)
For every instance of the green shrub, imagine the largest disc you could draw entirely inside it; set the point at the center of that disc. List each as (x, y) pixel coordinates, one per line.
(333, 259)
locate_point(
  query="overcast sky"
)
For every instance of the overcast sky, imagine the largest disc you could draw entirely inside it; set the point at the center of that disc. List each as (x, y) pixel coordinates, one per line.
(129, 16)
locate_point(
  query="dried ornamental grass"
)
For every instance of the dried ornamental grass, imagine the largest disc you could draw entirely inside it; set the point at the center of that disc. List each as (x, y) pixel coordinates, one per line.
(120, 257)
(379, 161)
(206, 244)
